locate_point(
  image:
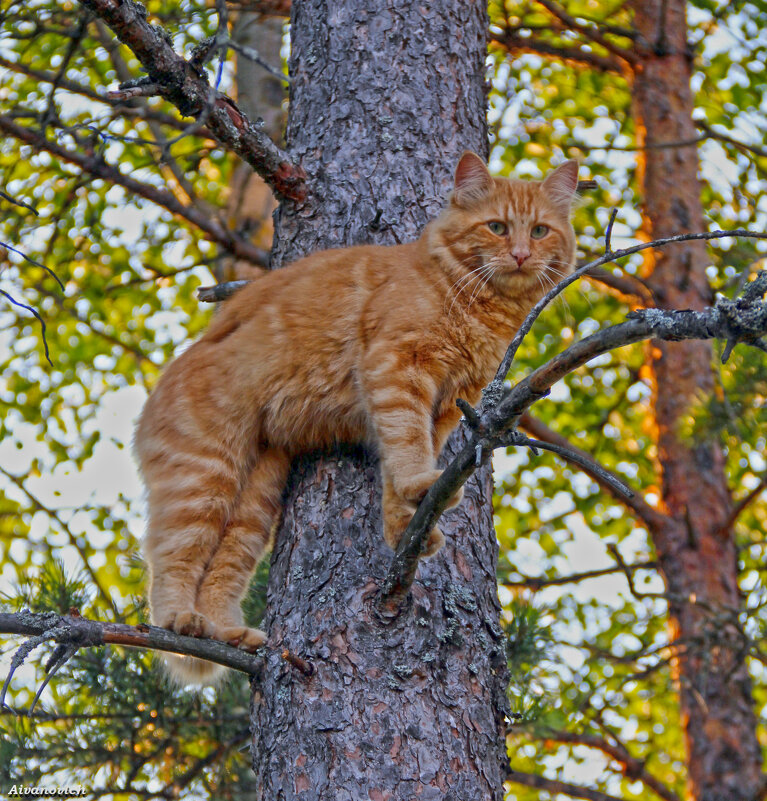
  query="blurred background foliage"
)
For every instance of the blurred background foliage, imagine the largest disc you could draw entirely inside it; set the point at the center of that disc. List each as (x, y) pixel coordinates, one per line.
(589, 656)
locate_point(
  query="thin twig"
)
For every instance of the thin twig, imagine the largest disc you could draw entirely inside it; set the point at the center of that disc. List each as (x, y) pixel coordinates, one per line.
(536, 583)
(17, 202)
(38, 505)
(517, 439)
(219, 292)
(39, 318)
(524, 329)
(615, 553)
(591, 32)
(32, 261)
(554, 786)
(647, 514)
(742, 504)
(633, 767)
(609, 231)
(514, 42)
(93, 164)
(253, 55)
(307, 668)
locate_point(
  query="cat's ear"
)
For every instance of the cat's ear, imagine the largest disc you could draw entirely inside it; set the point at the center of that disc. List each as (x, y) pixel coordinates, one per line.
(560, 185)
(472, 180)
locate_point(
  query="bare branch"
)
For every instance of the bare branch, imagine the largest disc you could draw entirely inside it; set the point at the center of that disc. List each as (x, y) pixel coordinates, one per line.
(143, 111)
(253, 55)
(82, 632)
(584, 268)
(213, 294)
(744, 147)
(187, 88)
(39, 319)
(609, 231)
(647, 514)
(576, 456)
(554, 786)
(536, 583)
(514, 42)
(632, 767)
(73, 539)
(112, 47)
(590, 31)
(93, 164)
(742, 504)
(267, 8)
(626, 285)
(32, 261)
(17, 202)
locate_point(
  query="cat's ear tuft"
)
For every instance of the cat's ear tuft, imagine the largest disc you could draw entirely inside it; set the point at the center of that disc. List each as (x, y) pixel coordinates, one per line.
(560, 184)
(472, 180)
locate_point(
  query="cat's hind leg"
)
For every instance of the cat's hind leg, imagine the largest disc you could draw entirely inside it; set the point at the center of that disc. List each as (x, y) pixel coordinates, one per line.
(191, 495)
(245, 538)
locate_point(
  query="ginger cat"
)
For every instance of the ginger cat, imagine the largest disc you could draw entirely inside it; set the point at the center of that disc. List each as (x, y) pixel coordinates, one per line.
(361, 344)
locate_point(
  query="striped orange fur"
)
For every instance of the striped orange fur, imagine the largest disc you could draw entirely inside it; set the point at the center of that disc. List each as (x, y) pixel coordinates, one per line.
(360, 344)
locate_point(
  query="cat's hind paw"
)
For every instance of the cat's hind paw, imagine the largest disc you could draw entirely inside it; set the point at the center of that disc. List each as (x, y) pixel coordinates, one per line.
(434, 543)
(191, 623)
(241, 637)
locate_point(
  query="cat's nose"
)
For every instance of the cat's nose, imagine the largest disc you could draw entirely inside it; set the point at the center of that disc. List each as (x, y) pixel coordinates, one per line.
(520, 255)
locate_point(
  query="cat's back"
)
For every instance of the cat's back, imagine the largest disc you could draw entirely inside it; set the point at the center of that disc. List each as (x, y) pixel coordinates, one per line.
(323, 297)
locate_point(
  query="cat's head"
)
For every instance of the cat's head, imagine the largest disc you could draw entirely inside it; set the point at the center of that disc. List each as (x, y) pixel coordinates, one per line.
(515, 234)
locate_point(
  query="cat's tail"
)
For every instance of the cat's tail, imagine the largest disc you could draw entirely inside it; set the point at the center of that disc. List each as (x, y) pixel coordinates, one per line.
(186, 670)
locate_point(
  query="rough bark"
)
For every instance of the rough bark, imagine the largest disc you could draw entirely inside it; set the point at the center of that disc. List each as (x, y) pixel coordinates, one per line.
(696, 548)
(383, 101)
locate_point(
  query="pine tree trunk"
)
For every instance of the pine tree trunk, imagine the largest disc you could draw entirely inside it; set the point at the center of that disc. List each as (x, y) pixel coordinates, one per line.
(696, 549)
(383, 101)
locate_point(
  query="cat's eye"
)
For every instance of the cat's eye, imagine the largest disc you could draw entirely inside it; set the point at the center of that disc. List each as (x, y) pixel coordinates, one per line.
(539, 231)
(497, 227)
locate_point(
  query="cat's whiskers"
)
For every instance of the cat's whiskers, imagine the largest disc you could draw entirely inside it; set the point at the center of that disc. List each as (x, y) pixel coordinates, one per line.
(488, 277)
(483, 273)
(466, 280)
(544, 274)
(475, 278)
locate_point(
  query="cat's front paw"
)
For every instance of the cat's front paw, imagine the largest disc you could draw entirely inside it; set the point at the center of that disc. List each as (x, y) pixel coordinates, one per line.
(434, 543)
(395, 522)
(415, 487)
(241, 637)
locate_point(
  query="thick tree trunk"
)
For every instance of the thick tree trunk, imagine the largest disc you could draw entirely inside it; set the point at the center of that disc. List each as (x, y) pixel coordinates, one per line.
(696, 549)
(384, 99)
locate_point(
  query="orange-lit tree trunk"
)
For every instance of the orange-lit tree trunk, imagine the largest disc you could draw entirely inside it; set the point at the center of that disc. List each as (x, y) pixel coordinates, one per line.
(696, 549)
